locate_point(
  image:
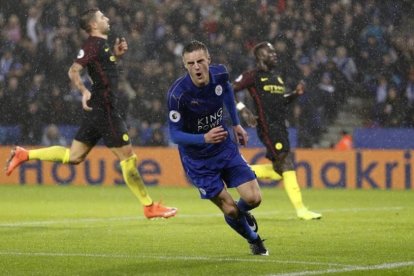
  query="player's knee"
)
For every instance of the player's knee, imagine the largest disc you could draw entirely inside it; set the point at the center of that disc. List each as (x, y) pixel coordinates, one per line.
(254, 200)
(76, 160)
(231, 211)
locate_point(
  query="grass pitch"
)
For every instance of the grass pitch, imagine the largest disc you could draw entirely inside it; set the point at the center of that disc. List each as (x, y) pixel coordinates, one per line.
(101, 231)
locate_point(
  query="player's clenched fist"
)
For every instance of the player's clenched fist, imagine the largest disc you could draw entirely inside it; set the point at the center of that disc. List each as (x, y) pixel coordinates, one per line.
(216, 135)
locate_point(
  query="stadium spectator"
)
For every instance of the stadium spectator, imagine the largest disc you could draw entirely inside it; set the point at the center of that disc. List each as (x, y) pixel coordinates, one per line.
(13, 30)
(101, 117)
(14, 96)
(134, 134)
(333, 88)
(31, 126)
(54, 107)
(410, 118)
(371, 57)
(328, 105)
(33, 28)
(345, 63)
(383, 85)
(309, 121)
(209, 156)
(5, 107)
(409, 89)
(52, 136)
(58, 56)
(157, 138)
(301, 27)
(271, 97)
(393, 111)
(10, 66)
(345, 143)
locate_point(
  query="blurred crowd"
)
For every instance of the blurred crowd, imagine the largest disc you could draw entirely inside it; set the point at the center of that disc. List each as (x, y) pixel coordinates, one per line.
(341, 48)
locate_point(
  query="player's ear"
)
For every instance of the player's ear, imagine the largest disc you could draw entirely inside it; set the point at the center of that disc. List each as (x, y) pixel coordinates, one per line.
(209, 59)
(93, 24)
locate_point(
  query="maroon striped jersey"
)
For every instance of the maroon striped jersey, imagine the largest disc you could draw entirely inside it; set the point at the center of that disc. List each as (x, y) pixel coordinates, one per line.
(267, 90)
(97, 56)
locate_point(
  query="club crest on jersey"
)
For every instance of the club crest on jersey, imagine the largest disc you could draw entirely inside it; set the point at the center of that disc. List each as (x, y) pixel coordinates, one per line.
(202, 191)
(219, 90)
(81, 53)
(175, 116)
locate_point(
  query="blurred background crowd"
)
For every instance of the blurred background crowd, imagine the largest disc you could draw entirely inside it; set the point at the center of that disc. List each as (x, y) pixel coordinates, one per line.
(341, 48)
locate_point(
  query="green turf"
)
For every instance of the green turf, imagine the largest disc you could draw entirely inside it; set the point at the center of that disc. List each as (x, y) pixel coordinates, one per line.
(101, 231)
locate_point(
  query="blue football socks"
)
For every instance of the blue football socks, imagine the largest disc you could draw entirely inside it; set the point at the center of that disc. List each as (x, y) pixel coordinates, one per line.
(243, 206)
(241, 226)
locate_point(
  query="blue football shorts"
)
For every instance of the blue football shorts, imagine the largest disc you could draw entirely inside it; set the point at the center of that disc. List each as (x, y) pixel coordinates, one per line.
(210, 175)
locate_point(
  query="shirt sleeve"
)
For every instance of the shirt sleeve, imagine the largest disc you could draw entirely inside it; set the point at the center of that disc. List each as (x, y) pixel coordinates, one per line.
(176, 123)
(244, 81)
(88, 53)
(230, 104)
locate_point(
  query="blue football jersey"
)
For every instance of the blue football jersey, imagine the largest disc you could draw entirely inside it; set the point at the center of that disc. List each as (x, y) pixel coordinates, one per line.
(193, 111)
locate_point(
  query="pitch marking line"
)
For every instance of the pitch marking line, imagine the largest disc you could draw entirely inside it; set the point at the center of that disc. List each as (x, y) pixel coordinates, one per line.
(344, 268)
(158, 257)
(133, 218)
(384, 266)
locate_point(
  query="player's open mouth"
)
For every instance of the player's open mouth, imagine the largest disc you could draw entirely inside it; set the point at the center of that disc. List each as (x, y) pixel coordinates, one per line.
(198, 75)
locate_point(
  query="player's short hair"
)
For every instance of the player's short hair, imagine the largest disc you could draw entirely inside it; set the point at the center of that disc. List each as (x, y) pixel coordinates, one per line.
(194, 45)
(260, 46)
(86, 17)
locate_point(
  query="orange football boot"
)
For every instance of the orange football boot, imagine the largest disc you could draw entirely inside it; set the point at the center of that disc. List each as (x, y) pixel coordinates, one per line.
(157, 210)
(17, 156)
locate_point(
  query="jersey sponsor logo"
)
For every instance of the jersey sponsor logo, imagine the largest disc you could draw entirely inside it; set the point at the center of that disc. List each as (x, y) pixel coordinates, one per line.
(175, 116)
(208, 122)
(219, 90)
(279, 89)
(81, 53)
(264, 79)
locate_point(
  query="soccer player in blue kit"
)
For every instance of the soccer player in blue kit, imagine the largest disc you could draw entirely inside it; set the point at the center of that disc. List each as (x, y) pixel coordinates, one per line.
(210, 158)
